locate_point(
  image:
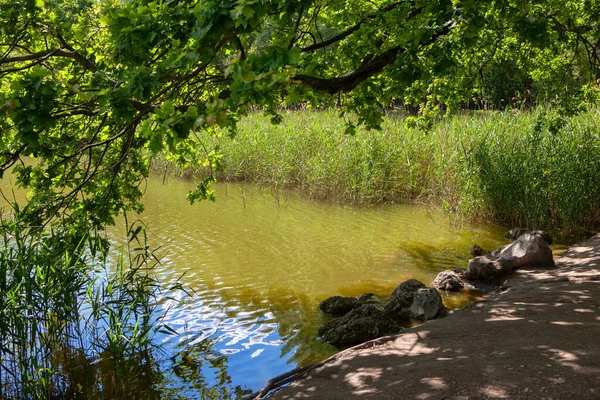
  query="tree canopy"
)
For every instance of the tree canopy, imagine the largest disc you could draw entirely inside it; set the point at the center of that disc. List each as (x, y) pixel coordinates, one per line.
(92, 89)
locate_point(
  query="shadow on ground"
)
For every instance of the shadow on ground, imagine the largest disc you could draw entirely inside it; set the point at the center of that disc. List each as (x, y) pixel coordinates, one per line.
(540, 339)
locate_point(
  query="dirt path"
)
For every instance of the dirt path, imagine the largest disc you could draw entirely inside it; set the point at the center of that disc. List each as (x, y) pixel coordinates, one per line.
(539, 339)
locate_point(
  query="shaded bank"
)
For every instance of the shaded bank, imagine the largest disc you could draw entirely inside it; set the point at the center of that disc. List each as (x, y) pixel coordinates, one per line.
(535, 169)
(537, 339)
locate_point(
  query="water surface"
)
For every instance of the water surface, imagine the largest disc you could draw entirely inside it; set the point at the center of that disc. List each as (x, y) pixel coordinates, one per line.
(256, 267)
(259, 265)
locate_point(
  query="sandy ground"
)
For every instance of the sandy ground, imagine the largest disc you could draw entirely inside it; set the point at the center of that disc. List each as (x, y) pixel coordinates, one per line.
(538, 339)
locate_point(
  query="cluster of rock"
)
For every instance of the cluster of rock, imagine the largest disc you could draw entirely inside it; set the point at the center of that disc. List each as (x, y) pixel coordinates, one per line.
(528, 249)
(364, 318)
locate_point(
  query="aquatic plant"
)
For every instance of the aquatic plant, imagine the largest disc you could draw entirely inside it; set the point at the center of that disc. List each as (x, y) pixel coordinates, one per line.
(536, 168)
(76, 319)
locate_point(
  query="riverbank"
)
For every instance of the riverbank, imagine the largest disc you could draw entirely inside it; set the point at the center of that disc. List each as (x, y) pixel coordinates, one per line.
(538, 339)
(535, 169)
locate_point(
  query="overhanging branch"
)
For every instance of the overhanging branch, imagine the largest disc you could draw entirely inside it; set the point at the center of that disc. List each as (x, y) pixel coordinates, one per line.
(349, 81)
(351, 30)
(45, 54)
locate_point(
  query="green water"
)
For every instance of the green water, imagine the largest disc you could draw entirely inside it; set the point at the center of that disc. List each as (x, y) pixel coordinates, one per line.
(256, 267)
(260, 264)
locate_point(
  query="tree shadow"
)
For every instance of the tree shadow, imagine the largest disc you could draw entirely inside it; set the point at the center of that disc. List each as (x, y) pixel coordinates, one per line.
(538, 339)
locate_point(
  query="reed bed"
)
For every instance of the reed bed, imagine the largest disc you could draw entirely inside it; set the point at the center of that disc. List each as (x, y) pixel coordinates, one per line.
(73, 322)
(536, 169)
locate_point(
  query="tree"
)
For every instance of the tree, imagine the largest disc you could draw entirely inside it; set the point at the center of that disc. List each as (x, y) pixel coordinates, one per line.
(92, 89)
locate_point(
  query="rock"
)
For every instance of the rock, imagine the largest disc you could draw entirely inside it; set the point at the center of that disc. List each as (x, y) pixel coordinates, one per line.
(412, 299)
(496, 253)
(483, 268)
(408, 286)
(514, 233)
(358, 326)
(476, 251)
(369, 298)
(449, 281)
(528, 250)
(545, 235)
(427, 304)
(339, 305)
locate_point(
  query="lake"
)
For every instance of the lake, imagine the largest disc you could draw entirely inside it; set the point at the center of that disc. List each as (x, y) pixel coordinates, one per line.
(257, 266)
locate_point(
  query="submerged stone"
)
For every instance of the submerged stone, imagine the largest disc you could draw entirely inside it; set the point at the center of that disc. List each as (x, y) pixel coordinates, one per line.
(339, 305)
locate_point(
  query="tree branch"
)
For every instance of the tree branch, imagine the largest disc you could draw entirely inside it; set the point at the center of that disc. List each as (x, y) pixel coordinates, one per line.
(356, 27)
(349, 81)
(45, 54)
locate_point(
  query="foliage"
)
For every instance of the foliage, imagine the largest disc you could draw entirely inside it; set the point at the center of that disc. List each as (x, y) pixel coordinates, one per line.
(71, 322)
(91, 88)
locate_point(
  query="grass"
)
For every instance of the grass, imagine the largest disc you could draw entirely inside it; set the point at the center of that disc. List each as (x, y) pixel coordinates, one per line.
(73, 323)
(533, 169)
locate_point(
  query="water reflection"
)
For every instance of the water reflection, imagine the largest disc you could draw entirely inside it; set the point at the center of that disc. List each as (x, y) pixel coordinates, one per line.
(259, 265)
(256, 266)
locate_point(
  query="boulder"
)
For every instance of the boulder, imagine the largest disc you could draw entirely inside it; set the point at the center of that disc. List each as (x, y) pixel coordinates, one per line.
(339, 305)
(449, 281)
(483, 268)
(427, 304)
(515, 233)
(528, 250)
(358, 326)
(545, 235)
(412, 299)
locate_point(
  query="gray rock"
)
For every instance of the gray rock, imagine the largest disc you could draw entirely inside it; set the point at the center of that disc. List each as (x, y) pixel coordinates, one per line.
(528, 250)
(482, 268)
(496, 253)
(449, 281)
(515, 233)
(427, 304)
(412, 299)
(358, 326)
(545, 235)
(339, 305)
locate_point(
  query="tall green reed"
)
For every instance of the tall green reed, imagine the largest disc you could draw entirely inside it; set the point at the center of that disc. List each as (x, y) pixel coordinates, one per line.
(75, 321)
(534, 169)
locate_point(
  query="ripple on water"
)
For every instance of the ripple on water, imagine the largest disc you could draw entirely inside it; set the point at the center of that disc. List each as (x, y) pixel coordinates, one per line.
(256, 269)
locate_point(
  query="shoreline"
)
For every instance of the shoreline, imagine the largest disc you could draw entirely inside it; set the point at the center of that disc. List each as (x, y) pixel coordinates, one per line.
(538, 338)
